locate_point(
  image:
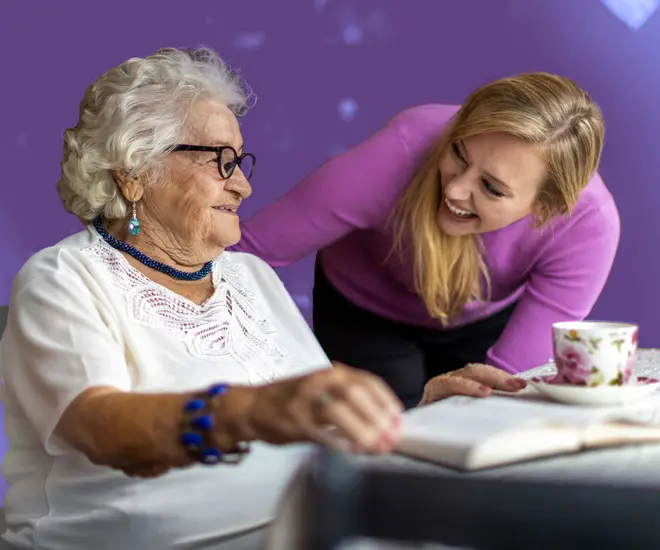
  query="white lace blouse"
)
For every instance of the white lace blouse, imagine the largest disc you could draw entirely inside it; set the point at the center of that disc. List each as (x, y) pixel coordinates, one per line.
(81, 316)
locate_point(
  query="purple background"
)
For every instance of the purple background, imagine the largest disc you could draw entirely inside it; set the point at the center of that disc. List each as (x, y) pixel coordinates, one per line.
(328, 73)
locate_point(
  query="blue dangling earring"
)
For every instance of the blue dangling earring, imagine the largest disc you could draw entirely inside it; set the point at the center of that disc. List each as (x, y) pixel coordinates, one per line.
(134, 223)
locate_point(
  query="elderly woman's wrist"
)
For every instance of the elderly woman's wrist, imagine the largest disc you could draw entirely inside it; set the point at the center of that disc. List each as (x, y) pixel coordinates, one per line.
(232, 414)
(213, 425)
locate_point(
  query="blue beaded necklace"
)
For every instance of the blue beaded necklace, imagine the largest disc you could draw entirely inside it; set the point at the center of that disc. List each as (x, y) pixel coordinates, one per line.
(146, 260)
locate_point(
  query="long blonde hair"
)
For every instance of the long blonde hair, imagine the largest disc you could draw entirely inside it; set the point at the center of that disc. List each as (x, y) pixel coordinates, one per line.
(542, 109)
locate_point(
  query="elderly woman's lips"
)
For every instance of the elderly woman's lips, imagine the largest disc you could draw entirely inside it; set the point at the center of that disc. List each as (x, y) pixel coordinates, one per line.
(227, 209)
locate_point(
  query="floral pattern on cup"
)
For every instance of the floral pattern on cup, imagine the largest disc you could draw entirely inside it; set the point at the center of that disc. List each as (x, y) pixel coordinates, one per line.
(573, 363)
(595, 357)
(628, 369)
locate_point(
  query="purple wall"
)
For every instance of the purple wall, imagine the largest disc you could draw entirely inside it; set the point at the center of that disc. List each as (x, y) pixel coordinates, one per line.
(328, 73)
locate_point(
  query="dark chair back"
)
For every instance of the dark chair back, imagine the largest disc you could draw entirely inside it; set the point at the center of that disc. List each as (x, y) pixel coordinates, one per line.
(4, 312)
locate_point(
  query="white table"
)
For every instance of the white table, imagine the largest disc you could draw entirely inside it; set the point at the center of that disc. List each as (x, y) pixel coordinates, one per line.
(629, 466)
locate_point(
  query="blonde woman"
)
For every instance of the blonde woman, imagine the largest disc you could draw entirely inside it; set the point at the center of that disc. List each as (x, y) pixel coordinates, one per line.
(454, 235)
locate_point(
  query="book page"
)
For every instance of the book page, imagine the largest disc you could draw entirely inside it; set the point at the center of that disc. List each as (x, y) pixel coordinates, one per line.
(468, 419)
(470, 433)
(614, 434)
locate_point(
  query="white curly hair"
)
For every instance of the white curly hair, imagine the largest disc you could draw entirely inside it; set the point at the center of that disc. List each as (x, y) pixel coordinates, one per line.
(131, 117)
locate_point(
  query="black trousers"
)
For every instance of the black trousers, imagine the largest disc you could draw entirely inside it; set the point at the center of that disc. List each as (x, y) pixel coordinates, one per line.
(405, 356)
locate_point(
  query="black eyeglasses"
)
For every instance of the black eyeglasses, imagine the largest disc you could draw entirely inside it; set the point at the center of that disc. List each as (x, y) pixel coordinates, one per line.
(227, 158)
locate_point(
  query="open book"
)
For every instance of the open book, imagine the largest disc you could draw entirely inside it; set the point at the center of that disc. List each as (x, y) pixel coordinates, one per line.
(471, 434)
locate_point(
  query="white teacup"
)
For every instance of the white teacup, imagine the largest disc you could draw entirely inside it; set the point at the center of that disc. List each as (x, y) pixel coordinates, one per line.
(592, 353)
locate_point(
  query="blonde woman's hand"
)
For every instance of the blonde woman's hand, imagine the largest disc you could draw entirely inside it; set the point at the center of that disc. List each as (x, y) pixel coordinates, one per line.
(475, 380)
(358, 407)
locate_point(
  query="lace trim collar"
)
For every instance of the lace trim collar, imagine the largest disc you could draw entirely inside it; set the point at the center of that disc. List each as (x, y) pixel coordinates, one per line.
(230, 322)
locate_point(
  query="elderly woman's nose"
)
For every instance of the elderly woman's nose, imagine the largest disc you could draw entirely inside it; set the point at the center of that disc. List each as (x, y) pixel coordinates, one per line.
(239, 184)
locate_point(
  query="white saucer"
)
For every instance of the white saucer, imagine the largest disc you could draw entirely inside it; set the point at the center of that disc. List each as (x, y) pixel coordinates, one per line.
(602, 396)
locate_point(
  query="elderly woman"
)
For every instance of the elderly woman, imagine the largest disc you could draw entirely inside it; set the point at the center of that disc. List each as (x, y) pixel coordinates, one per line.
(138, 353)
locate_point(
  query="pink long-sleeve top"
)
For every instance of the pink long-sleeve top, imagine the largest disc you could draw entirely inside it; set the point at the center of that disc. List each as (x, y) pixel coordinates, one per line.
(342, 209)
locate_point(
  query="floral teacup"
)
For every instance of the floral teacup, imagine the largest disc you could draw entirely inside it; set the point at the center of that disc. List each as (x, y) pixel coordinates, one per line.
(590, 353)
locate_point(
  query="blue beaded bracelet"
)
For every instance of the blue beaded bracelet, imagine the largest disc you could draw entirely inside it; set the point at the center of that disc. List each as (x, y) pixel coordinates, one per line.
(196, 430)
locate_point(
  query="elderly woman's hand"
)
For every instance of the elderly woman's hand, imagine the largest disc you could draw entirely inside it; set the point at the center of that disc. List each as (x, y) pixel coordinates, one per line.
(475, 380)
(361, 408)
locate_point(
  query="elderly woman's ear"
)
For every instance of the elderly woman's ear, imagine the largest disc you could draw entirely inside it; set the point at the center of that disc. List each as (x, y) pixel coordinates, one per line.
(131, 187)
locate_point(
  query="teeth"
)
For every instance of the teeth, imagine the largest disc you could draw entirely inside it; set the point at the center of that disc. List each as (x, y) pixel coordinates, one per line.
(458, 211)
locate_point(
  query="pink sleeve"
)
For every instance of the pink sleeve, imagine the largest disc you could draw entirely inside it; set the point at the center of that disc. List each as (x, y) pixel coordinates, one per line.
(351, 191)
(563, 286)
